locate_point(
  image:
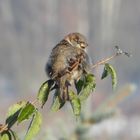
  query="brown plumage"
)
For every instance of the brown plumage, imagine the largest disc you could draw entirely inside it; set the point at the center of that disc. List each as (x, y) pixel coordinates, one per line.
(68, 61)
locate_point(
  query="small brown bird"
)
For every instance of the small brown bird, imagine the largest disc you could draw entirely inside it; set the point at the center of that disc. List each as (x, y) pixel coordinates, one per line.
(68, 62)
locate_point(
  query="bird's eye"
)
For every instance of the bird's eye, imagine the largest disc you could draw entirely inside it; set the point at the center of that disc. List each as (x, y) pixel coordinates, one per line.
(76, 40)
(82, 45)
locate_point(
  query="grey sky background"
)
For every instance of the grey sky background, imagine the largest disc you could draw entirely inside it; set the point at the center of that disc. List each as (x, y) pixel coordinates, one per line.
(29, 29)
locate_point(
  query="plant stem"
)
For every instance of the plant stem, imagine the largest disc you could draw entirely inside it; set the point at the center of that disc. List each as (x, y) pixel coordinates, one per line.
(101, 62)
(3, 128)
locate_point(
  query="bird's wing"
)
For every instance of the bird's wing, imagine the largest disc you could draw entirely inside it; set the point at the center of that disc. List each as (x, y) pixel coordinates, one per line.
(75, 61)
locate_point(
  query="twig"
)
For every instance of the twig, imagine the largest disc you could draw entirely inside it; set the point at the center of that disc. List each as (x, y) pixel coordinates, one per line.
(119, 52)
(3, 128)
(101, 62)
(36, 103)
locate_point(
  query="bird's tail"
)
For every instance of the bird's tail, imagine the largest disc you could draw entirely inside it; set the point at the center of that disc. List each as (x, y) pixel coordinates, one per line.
(63, 86)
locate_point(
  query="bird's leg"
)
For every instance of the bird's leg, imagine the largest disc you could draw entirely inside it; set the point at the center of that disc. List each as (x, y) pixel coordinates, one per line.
(67, 84)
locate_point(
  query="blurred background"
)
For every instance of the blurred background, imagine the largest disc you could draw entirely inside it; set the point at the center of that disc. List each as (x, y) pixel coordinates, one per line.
(29, 29)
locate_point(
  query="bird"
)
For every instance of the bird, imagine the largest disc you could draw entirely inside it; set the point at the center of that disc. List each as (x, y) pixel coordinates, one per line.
(67, 62)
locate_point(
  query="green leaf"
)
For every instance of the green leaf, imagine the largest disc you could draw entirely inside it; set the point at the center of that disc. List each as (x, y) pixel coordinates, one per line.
(34, 126)
(105, 73)
(13, 113)
(44, 92)
(79, 85)
(110, 70)
(14, 135)
(57, 102)
(75, 103)
(88, 87)
(26, 112)
(5, 136)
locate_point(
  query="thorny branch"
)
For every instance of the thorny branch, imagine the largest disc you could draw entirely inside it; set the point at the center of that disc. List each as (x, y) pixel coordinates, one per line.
(3, 128)
(119, 52)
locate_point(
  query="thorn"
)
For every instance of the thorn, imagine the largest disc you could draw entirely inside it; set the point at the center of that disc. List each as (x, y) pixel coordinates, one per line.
(128, 54)
(119, 52)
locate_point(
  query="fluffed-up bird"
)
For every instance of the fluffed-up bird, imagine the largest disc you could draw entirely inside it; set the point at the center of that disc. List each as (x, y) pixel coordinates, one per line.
(68, 61)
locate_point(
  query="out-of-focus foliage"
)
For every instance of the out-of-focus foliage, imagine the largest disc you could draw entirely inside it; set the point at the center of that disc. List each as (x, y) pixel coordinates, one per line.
(106, 110)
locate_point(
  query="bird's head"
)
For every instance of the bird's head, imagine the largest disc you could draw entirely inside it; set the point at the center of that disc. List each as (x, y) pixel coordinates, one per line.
(77, 40)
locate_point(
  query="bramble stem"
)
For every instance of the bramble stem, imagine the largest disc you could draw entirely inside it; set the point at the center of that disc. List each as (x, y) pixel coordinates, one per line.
(101, 62)
(119, 52)
(3, 128)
